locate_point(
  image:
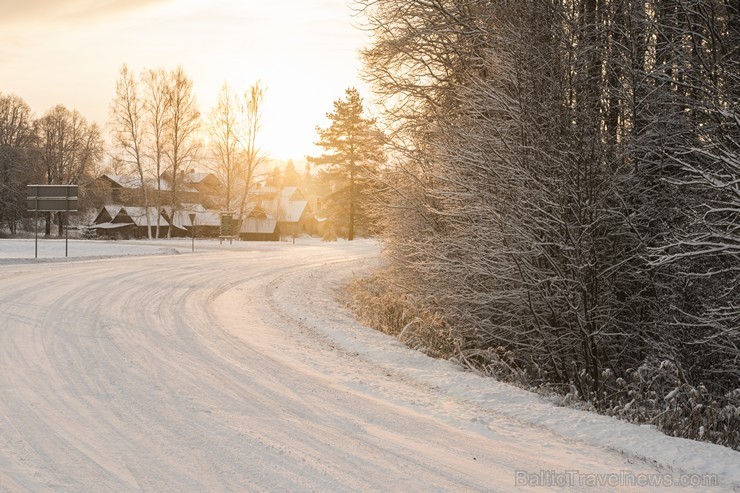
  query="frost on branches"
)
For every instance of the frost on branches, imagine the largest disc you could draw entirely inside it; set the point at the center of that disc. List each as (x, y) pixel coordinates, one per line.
(563, 193)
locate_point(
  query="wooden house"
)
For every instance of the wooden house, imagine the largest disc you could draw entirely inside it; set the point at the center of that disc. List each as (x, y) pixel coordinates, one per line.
(275, 213)
(129, 222)
(271, 213)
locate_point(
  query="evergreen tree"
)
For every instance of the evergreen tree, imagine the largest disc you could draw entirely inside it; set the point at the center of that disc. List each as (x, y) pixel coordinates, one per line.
(290, 176)
(353, 151)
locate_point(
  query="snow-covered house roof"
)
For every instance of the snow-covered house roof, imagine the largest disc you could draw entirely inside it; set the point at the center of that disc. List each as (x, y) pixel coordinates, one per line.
(138, 215)
(106, 214)
(196, 178)
(284, 205)
(133, 182)
(270, 206)
(181, 218)
(292, 193)
(114, 217)
(259, 225)
(186, 206)
(111, 225)
(291, 212)
(122, 181)
(291, 204)
(162, 184)
(166, 185)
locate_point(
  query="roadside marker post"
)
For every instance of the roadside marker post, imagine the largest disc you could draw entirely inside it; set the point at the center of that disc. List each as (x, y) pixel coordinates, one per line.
(192, 225)
(51, 198)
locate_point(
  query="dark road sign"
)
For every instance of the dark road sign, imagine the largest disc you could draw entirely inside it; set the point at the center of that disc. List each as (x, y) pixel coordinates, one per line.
(51, 198)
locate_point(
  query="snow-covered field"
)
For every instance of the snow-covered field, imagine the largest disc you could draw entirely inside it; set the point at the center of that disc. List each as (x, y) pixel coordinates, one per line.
(139, 366)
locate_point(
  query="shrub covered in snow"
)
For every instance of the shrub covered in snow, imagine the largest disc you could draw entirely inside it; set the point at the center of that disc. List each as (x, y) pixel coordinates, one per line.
(563, 195)
(654, 393)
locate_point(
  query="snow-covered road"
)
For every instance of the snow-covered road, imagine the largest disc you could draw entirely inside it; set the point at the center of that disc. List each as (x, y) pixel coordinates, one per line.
(233, 369)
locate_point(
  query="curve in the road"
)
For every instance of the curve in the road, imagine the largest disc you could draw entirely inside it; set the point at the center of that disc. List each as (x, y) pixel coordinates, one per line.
(198, 373)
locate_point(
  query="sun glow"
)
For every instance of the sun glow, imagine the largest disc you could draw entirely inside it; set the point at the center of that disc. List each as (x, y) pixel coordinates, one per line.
(305, 52)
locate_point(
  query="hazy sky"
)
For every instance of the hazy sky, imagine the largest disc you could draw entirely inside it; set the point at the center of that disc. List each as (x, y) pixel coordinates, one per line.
(69, 52)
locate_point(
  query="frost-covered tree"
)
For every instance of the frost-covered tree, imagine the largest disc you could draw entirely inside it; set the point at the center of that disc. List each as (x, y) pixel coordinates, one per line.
(68, 148)
(562, 190)
(251, 157)
(157, 116)
(224, 142)
(696, 96)
(181, 130)
(128, 131)
(16, 160)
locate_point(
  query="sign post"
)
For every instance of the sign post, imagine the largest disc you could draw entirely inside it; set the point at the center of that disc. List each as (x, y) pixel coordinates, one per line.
(36, 230)
(192, 225)
(227, 227)
(51, 198)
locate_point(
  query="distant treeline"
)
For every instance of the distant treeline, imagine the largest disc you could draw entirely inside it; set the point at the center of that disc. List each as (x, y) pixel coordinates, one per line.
(157, 133)
(61, 147)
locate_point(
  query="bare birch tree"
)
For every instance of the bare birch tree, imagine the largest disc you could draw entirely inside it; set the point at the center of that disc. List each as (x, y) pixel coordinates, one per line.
(156, 107)
(181, 132)
(251, 156)
(127, 122)
(225, 142)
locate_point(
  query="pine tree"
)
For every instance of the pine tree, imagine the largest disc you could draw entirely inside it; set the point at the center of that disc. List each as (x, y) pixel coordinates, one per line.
(353, 151)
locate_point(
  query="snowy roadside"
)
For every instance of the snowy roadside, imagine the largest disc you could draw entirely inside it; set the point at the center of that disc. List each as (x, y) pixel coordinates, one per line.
(22, 251)
(382, 367)
(320, 314)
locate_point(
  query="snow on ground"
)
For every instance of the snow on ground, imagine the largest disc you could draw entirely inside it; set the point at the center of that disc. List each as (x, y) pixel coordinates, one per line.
(496, 400)
(24, 250)
(234, 369)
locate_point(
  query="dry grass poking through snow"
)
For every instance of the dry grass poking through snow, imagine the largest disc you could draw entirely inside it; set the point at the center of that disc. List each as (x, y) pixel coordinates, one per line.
(651, 395)
(388, 309)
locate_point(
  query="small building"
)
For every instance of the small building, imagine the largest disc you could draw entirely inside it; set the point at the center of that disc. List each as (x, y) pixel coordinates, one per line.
(259, 225)
(207, 186)
(271, 213)
(207, 222)
(129, 222)
(127, 190)
(119, 189)
(106, 214)
(276, 213)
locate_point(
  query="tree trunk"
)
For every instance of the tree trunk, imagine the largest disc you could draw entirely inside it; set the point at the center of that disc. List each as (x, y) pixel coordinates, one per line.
(351, 232)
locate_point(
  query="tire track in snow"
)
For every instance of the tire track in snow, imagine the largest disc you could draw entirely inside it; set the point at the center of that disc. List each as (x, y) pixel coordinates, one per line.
(193, 373)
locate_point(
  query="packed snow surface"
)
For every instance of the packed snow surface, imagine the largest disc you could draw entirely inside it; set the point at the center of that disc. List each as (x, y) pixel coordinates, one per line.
(139, 366)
